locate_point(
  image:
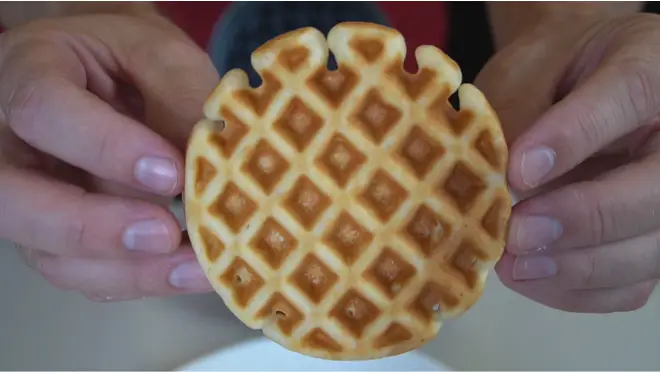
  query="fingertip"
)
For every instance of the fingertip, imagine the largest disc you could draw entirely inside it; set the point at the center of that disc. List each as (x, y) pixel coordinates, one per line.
(174, 231)
(125, 279)
(161, 174)
(160, 233)
(531, 165)
(504, 268)
(531, 233)
(514, 176)
(189, 276)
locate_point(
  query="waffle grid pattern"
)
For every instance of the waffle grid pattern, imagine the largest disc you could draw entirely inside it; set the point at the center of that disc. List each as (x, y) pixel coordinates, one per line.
(347, 216)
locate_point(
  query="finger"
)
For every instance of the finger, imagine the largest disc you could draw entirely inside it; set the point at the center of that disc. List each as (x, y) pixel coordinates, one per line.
(616, 100)
(173, 104)
(65, 220)
(589, 170)
(517, 102)
(44, 100)
(613, 265)
(117, 280)
(620, 204)
(15, 152)
(607, 300)
(116, 189)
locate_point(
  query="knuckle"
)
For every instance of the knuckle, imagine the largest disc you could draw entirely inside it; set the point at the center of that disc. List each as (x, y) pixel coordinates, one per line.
(22, 103)
(104, 154)
(584, 134)
(642, 91)
(587, 130)
(587, 272)
(637, 66)
(76, 233)
(25, 103)
(590, 209)
(600, 222)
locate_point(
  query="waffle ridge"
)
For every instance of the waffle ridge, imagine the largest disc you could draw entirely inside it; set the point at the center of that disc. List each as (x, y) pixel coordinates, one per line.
(353, 210)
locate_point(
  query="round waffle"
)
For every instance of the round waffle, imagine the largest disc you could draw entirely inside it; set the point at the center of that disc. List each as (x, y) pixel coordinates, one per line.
(347, 213)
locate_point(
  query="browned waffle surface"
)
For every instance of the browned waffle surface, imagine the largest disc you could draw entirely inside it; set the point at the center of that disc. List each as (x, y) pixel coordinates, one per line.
(347, 213)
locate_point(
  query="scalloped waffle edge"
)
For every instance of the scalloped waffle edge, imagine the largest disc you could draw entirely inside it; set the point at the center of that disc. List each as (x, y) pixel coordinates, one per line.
(347, 213)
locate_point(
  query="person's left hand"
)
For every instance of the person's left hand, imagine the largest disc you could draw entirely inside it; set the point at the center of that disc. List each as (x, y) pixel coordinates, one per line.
(95, 114)
(579, 106)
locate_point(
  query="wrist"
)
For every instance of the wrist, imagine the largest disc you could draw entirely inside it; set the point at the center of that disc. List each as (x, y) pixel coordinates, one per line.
(511, 21)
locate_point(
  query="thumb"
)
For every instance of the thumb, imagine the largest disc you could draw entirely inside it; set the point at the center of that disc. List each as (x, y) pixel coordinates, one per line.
(615, 101)
(515, 88)
(618, 94)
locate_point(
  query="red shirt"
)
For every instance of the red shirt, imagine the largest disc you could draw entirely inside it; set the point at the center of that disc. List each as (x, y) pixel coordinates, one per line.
(419, 22)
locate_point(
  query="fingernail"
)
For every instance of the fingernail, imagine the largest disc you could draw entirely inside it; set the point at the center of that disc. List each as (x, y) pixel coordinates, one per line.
(534, 267)
(148, 236)
(535, 232)
(189, 275)
(157, 174)
(536, 164)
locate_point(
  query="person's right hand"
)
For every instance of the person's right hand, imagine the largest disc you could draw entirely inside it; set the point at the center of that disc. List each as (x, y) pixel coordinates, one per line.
(94, 114)
(579, 103)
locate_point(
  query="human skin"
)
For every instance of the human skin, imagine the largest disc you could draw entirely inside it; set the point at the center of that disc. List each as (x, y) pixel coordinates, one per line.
(577, 91)
(97, 100)
(96, 104)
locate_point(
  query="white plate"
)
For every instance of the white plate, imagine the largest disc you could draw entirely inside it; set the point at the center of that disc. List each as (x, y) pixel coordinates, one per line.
(262, 354)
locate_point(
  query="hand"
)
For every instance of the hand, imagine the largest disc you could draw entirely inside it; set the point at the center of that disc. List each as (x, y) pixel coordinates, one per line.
(579, 105)
(94, 114)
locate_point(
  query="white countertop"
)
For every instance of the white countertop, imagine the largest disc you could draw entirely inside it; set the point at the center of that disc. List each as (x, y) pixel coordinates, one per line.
(44, 328)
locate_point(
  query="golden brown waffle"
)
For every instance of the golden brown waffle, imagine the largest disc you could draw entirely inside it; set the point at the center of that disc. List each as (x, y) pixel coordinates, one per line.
(347, 213)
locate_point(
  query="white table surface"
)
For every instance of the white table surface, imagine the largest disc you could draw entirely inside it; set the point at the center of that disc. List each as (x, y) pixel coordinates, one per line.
(48, 329)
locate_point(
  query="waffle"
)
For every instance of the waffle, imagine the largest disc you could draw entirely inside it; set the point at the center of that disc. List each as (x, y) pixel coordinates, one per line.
(347, 213)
